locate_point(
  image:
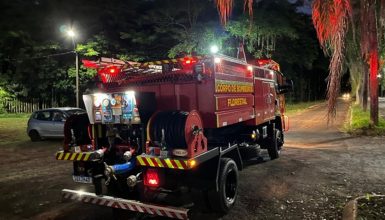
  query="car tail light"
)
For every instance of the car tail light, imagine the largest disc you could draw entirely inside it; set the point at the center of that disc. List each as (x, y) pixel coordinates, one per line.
(151, 178)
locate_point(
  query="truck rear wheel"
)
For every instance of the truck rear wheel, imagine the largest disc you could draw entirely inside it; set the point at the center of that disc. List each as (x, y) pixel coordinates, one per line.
(223, 200)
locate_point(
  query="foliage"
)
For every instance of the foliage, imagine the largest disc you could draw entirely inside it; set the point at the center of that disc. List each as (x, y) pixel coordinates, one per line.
(355, 64)
(4, 95)
(37, 59)
(292, 108)
(15, 115)
(331, 20)
(371, 207)
(260, 36)
(199, 41)
(13, 129)
(360, 123)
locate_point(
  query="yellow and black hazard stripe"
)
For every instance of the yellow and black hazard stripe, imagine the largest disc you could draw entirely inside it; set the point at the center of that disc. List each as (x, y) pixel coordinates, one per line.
(82, 156)
(176, 60)
(163, 163)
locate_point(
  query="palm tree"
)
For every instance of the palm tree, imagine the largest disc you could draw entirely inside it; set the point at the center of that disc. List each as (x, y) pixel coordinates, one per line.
(331, 20)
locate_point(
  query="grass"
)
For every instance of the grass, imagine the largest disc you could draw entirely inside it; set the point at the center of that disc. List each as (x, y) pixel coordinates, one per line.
(360, 123)
(292, 108)
(371, 208)
(13, 129)
(15, 115)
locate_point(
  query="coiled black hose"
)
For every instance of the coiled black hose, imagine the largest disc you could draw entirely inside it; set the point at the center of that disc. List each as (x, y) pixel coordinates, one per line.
(173, 123)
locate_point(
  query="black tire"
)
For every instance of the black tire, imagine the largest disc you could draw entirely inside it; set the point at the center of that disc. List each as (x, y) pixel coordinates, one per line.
(280, 138)
(34, 135)
(223, 200)
(273, 148)
(249, 152)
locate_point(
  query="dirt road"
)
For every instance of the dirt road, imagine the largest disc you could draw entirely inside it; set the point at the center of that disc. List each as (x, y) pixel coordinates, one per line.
(319, 170)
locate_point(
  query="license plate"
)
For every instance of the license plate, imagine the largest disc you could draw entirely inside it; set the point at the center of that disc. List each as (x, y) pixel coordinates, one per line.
(82, 179)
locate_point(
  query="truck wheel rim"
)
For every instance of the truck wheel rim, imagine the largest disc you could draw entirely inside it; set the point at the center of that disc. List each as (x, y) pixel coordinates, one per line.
(231, 186)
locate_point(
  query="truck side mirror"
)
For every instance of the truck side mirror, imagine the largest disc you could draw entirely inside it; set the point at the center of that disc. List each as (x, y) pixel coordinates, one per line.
(286, 87)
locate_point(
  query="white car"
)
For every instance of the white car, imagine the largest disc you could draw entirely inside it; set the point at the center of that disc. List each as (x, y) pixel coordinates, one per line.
(48, 123)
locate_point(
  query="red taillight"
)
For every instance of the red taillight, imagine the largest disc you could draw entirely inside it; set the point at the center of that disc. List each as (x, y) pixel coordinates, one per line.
(108, 73)
(112, 70)
(151, 178)
(187, 63)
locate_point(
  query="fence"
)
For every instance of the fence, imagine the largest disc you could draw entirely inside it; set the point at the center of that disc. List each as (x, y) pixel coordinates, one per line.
(17, 106)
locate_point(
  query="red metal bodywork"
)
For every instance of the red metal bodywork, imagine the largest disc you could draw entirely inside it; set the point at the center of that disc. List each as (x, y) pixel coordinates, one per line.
(228, 92)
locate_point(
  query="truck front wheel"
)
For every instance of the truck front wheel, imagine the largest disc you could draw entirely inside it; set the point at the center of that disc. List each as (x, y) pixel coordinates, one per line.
(274, 144)
(224, 199)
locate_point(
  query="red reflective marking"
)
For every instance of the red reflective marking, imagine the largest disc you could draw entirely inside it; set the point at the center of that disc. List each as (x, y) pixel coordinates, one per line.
(145, 161)
(184, 164)
(104, 202)
(173, 214)
(152, 210)
(174, 164)
(134, 208)
(154, 162)
(162, 212)
(163, 162)
(126, 206)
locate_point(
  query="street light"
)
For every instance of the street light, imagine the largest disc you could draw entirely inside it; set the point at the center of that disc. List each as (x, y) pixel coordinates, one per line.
(72, 34)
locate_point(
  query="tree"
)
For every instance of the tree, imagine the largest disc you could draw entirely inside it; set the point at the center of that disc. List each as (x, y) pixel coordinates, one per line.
(331, 20)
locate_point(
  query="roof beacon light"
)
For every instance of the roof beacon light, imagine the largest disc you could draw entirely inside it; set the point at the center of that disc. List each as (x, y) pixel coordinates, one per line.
(214, 49)
(217, 60)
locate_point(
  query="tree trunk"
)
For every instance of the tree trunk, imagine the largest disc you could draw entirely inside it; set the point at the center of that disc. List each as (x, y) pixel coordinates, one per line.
(373, 61)
(365, 91)
(374, 88)
(358, 95)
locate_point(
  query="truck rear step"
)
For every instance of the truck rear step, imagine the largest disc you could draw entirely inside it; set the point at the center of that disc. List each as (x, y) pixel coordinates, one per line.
(130, 205)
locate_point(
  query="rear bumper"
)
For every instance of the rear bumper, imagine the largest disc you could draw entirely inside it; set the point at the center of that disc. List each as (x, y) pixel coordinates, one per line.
(131, 205)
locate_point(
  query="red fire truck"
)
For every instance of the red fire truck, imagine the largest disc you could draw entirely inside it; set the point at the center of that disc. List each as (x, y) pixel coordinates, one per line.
(158, 131)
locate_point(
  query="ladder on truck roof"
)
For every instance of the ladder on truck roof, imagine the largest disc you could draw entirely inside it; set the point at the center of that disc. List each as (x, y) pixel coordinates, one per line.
(118, 71)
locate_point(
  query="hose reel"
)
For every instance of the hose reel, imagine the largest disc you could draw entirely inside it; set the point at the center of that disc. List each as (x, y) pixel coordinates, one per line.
(178, 130)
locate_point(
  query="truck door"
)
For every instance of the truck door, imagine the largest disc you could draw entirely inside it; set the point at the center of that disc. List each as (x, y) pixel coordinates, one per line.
(269, 100)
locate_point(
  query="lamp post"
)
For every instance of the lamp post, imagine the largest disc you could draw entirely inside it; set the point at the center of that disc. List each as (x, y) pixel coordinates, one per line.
(71, 33)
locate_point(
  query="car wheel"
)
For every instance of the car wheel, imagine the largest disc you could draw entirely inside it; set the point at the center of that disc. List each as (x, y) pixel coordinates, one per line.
(34, 135)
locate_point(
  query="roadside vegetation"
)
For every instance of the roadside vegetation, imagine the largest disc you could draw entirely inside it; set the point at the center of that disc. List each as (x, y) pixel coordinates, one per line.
(13, 128)
(359, 123)
(292, 108)
(15, 115)
(371, 207)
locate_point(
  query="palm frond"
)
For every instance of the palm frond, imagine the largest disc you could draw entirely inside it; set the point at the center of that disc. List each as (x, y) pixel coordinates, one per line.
(224, 9)
(331, 21)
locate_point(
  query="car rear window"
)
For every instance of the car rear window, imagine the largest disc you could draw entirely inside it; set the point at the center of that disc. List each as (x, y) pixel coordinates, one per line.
(74, 111)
